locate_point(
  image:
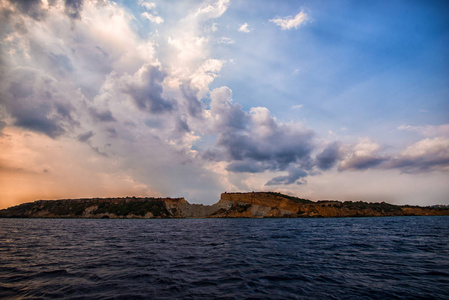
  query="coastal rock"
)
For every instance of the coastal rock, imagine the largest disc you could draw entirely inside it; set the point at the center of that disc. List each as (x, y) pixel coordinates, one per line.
(230, 205)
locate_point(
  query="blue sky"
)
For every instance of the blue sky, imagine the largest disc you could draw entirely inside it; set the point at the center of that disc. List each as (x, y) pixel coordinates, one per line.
(354, 63)
(321, 99)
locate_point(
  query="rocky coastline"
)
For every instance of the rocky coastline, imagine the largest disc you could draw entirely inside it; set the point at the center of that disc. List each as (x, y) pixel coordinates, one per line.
(230, 205)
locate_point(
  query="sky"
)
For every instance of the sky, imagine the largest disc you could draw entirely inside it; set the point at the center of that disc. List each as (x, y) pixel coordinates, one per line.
(345, 100)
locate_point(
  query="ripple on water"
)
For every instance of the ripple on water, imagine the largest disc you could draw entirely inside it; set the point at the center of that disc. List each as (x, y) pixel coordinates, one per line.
(401, 257)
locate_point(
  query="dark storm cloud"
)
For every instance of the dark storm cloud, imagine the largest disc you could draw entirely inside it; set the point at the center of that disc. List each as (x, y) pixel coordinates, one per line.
(230, 117)
(101, 116)
(214, 154)
(32, 8)
(419, 165)
(362, 163)
(73, 8)
(33, 100)
(294, 174)
(147, 92)
(63, 109)
(327, 158)
(20, 27)
(256, 142)
(36, 10)
(182, 126)
(2, 125)
(112, 133)
(411, 165)
(272, 152)
(84, 137)
(193, 105)
(40, 124)
(47, 118)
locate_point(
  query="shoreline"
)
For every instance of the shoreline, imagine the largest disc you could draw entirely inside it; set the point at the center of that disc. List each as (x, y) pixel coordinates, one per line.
(230, 205)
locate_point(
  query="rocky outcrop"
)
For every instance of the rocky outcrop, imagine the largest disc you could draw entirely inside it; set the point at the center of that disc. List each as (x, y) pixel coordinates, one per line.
(258, 205)
(230, 205)
(269, 204)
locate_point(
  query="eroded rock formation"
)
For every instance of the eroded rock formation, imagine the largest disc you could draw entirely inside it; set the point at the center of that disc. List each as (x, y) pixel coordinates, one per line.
(231, 205)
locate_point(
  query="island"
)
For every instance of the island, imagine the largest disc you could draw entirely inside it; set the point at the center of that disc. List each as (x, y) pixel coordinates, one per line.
(230, 205)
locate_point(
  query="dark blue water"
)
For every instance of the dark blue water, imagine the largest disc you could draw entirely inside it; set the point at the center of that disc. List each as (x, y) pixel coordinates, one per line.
(352, 258)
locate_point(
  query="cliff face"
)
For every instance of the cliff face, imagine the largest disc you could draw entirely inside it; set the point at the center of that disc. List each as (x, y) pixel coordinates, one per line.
(231, 205)
(268, 204)
(257, 205)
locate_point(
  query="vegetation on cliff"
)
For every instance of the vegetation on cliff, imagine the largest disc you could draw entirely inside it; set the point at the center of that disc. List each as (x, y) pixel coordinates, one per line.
(376, 206)
(140, 208)
(292, 198)
(90, 208)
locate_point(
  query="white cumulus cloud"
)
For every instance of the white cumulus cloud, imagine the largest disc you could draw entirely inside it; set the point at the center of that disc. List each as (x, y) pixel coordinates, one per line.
(244, 28)
(212, 10)
(147, 5)
(153, 18)
(291, 21)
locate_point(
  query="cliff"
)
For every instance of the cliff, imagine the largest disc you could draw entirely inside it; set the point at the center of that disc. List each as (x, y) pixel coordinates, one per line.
(231, 205)
(269, 204)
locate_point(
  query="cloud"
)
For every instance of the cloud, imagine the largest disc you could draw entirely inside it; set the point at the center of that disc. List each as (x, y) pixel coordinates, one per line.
(290, 22)
(85, 136)
(73, 8)
(112, 133)
(39, 10)
(87, 139)
(330, 155)
(299, 106)
(428, 130)
(430, 154)
(150, 14)
(147, 5)
(361, 162)
(363, 156)
(427, 155)
(36, 102)
(244, 28)
(31, 8)
(145, 89)
(248, 166)
(2, 125)
(255, 141)
(39, 124)
(101, 116)
(153, 18)
(212, 10)
(294, 174)
(225, 41)
(194, 107)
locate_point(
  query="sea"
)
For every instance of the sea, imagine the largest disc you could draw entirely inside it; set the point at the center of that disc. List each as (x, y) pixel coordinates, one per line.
(332, 258)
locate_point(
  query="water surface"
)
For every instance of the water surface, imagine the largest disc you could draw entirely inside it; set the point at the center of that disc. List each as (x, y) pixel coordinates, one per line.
(349, 258)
